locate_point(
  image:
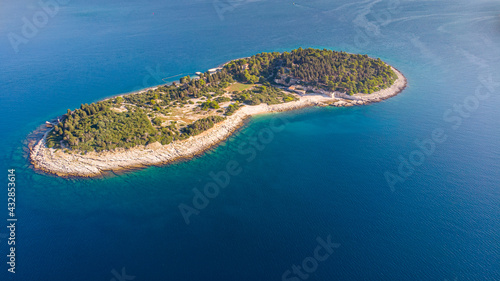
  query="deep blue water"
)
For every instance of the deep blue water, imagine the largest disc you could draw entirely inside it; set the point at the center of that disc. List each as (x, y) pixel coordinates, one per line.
(322, 174)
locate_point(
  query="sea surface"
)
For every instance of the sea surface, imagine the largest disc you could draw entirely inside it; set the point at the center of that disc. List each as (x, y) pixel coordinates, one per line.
(310, 175)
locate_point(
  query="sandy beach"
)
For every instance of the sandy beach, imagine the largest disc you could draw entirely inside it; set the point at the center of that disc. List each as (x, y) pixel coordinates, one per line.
(94, 164)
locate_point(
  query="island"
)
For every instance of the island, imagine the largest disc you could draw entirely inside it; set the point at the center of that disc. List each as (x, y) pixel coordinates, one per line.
(177, 121)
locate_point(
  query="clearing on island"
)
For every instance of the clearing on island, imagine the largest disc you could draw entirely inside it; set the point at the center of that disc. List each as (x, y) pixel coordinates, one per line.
(238, 87)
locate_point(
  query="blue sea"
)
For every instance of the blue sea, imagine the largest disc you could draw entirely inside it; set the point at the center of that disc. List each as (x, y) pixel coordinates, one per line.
(405, 189)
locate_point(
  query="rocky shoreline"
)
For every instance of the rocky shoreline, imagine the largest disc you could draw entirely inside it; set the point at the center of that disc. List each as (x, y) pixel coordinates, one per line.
(95, 164)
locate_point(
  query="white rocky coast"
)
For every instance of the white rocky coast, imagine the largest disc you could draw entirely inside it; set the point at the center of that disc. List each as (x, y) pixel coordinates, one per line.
(95, 164)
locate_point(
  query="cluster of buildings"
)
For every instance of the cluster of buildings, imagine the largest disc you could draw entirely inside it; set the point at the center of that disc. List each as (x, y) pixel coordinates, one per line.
(293, 86)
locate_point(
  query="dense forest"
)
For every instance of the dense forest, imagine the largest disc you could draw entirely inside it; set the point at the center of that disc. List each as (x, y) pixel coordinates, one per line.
(330, 70)
(146, 117)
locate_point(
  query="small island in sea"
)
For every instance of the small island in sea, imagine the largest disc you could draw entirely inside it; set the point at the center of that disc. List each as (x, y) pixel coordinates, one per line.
(183, 119)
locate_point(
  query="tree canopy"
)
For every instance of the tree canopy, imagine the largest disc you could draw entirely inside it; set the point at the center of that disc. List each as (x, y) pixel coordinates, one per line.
(136, 119)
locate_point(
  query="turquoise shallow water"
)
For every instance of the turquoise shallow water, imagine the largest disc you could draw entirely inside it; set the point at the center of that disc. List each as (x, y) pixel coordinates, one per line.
(321, 174)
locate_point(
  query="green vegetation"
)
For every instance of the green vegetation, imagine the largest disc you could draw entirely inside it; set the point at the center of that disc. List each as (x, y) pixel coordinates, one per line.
(211, 104)
(157, 121)
(201, 125)
(222, 99)
(96, 127)
(263, 94)
(324, 69)
(232, 108)
(143, 118)
(238, 87)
